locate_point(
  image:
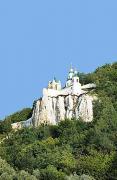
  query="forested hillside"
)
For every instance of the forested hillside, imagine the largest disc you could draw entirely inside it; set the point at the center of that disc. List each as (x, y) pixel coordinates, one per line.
(73, 150)
(5, 125)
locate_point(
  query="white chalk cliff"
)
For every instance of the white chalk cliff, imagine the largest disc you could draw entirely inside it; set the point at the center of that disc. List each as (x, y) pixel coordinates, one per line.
(51, 110)
(57, 103)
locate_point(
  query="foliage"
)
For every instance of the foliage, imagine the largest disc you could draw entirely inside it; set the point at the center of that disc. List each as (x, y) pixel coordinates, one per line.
(82, 177)
(8, 173)
(52, 173)
(5, 125)
(73, 150)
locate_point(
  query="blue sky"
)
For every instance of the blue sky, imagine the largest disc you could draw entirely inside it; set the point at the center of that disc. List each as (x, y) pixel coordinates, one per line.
(39, 39)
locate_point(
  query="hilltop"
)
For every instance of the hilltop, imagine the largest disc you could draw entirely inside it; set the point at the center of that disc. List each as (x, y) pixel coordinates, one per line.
(72, 149)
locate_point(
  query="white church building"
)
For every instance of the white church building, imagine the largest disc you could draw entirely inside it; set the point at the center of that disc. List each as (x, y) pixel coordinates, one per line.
(72, 86)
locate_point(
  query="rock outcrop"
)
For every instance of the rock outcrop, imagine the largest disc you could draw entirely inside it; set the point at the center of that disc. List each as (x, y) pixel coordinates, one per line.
(19, 125)
(52, 110)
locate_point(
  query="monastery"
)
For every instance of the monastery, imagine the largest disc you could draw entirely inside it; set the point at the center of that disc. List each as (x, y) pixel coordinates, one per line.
(58, 103)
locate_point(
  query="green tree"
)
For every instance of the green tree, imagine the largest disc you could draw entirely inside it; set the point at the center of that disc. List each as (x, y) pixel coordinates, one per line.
(95, 164)
(52, 173)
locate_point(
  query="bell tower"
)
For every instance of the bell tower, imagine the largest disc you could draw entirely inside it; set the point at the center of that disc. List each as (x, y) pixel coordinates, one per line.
(76, 88)
(70, 77)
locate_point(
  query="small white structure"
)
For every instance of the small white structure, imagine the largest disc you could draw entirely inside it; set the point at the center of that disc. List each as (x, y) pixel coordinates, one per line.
(76, 89)
(56, 85)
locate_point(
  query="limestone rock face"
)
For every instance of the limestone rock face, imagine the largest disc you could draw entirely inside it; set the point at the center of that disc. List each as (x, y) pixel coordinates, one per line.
(21, 124)
(51, 109)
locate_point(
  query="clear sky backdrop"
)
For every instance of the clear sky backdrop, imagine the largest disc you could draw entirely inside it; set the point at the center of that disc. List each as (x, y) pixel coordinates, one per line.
(39, 39)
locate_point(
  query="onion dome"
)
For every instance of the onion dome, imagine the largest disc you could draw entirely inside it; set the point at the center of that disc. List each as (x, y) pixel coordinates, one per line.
(71, 70)
(75, 73)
